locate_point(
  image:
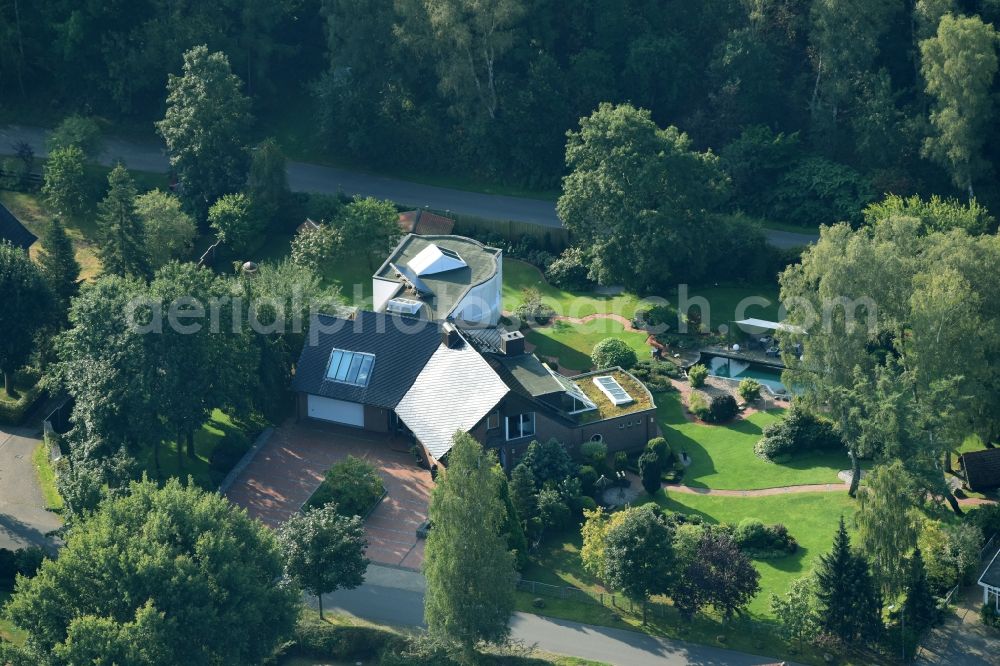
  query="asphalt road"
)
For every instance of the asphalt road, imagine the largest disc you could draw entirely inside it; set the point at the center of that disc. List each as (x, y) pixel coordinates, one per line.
(330, 180)
(23, 518)
(396, 597)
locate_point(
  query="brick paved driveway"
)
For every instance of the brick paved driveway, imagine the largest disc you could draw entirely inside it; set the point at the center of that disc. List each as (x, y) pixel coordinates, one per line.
(291, 465)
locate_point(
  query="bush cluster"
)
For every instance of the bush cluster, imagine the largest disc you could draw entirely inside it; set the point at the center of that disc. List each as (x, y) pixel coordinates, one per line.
(764, 541)
(228, 452)
(570, 271)
(656, 374)
(611, 352)
(698, 405)
(989, 616)
(353, 484)
(799, 432)
(664, 315)
(697, 374)
(13, 412)
(722, 408)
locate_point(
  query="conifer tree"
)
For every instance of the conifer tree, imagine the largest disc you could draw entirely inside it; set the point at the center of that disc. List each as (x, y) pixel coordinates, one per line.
(849, 601)
(523, 492)
(123, 241)
(59, 265)
(920, 607)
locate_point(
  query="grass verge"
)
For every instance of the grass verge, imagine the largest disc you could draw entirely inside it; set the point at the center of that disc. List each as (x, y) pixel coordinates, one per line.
(46, 478)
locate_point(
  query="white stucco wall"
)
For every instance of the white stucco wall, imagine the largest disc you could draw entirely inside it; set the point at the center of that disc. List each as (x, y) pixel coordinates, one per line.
(382, 291)
(484, 303)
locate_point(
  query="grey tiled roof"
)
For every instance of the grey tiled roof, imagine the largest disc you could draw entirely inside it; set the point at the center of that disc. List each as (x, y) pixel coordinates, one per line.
(455, 391)
(401, 345)
(982, 469)
(12, 230)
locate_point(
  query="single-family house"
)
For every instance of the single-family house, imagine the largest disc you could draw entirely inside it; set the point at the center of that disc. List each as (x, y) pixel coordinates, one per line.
(433, 360)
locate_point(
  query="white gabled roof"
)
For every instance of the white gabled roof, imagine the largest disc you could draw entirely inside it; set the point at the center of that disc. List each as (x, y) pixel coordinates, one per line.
(455, 391)
(435, 259)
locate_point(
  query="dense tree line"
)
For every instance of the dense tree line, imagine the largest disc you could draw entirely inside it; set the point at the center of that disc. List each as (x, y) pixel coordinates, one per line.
(843, 100)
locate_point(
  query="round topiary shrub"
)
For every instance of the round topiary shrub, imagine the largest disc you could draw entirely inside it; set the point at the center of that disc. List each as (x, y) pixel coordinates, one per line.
(722, 408)
(749, 389)
(611, 352)
(697, 374)
(659, 446)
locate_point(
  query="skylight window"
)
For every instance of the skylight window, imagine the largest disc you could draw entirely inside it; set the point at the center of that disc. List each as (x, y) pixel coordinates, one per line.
(349, 367)
(403, 306)
(610, 387)
(435, 259)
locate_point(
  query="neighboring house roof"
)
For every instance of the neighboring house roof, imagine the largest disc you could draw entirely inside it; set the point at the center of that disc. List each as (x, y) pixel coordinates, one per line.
(401, 346)
(424, 222)
(455, 391)
(982, 469)
(309, 225)
(441, 291)
(991, 577)
(12, 230)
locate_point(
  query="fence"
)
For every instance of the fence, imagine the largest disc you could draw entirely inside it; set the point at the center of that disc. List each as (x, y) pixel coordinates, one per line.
(550, 239)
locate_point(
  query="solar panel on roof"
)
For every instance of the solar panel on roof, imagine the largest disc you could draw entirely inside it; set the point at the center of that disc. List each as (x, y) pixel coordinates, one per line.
(611, 388)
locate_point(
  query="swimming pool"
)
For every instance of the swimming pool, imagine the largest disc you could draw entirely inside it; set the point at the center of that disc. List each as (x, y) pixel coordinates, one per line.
(720, 366)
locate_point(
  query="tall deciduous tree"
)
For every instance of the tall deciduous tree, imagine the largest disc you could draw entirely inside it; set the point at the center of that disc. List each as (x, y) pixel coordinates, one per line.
(205, 129)
(638, 555)
(170, 232)
(959, 64)
(469, 37)
(65, 185)
(123, 238)
(103, 365)
(59, 265)
(232, 217)
(638, 196)
(796, 609)
(27, 304)
(469, 568)
(888, 524)
(720, 575)
(370, 227)
(324, 551)
(169, 562)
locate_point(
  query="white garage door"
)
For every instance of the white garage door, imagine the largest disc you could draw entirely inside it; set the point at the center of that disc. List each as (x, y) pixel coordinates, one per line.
(338, 411)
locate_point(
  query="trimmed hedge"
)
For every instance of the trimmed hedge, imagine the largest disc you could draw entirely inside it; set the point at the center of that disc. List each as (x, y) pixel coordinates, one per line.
(319, 640)
(764, 541)
(656, 374)
(353, 484)
(13, 412)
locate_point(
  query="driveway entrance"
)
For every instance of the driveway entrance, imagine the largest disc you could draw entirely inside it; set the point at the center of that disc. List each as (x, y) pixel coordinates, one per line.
(290, 467)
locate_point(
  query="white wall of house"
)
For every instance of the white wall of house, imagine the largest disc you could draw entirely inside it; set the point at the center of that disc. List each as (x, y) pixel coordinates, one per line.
(484, 303)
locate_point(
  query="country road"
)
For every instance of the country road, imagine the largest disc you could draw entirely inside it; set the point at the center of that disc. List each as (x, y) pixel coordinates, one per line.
(396, 597)
(305, 177)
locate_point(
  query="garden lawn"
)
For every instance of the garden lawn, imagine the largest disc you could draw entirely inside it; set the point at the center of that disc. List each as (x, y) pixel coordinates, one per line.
(722, 456)
(518, 275)
(810, 517)
(725, 303)
(30, 209)
(571, 344)
(205, 440)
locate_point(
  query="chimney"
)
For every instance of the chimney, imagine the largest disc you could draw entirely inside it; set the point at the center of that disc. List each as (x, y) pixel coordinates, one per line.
(450, 336)
(512, 343)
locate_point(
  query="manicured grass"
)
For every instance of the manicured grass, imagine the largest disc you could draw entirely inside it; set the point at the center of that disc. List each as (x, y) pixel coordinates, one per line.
(46, 478)
(205, 441)
(31, 210)
(572, 343)
(722, 456)
(729, 303)
(517, 275)
(810, 517)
